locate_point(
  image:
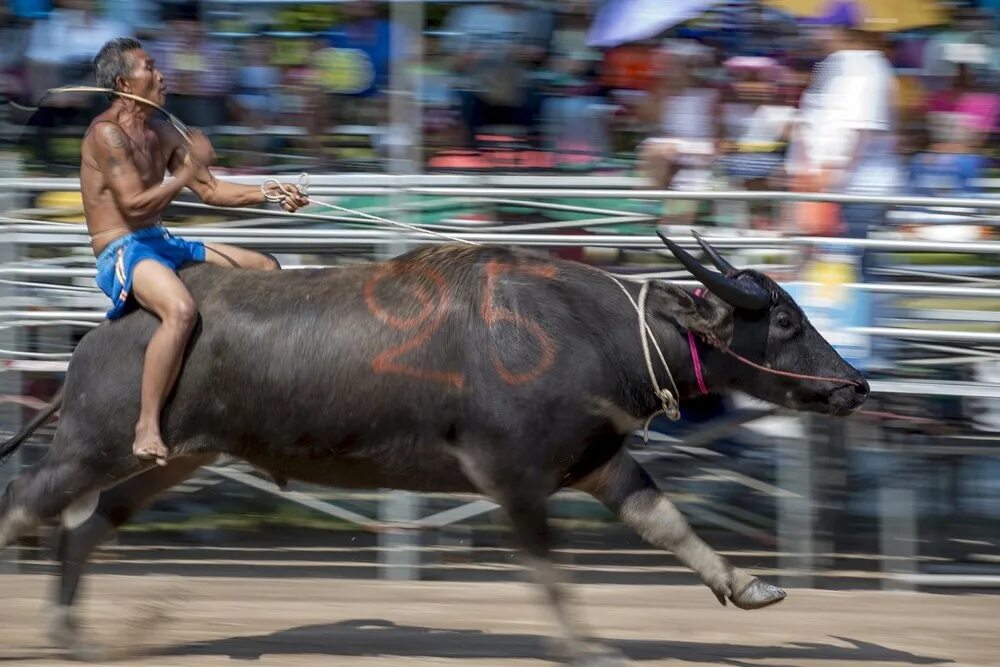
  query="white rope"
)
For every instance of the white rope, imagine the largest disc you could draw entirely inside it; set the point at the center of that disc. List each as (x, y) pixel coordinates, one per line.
(668, 401)
(303, 185)
(174, 120)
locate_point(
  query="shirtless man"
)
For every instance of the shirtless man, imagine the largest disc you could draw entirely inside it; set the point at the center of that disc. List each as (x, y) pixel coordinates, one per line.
(125, 154)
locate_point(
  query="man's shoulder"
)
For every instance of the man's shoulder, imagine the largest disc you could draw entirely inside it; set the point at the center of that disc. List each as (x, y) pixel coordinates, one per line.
(100, 126)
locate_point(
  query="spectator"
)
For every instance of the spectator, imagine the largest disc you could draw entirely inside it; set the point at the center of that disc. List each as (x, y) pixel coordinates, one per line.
(257, 81)
(142, 15)
(60, 52)
(301, 96)
(970, 29)
(370, 37)
(197, 68)
(62, 46)
(574, 115)
(952, 165)
(978, 107)
(356, 62)
(685, 109)
(757, 121)
(13, 43)
(846, 139)
(493, 49)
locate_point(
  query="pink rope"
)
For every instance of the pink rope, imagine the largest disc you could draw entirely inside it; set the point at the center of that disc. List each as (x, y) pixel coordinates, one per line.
(697, 364)
(695, 359)
(798, 376)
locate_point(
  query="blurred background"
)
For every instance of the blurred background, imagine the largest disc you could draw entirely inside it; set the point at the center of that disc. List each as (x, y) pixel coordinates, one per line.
(578, 128)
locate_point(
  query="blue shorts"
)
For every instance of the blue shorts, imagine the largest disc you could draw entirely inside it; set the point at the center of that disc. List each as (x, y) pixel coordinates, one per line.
(117, 262)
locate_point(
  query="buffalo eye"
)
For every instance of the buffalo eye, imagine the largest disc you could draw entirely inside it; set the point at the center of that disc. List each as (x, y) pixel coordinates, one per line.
(784, 321)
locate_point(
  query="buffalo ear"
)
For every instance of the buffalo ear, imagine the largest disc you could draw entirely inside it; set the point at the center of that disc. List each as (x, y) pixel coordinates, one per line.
(710, 317)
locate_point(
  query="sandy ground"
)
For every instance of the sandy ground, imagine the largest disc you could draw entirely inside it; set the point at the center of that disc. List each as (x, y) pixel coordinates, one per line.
(187, 621)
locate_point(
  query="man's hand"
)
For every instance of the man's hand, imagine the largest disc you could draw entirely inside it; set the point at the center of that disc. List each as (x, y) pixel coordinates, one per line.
(199, 149)
(291, 199)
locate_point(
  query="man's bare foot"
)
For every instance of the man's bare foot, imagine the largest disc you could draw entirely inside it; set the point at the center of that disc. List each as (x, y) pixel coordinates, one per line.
(149, 445)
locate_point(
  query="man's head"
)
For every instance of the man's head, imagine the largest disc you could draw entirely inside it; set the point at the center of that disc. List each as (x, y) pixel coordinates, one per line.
(123, 65)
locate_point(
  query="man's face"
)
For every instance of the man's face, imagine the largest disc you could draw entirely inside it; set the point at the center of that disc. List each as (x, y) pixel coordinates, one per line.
(146, 81)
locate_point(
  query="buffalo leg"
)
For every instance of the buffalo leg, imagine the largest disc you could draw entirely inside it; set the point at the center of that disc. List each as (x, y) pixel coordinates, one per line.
(531, 530)
(58, 481)
(526, 510)
(628, 491)
(88, 522)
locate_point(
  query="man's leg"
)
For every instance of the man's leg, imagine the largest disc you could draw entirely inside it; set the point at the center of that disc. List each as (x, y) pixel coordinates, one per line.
(160, 291)
(658, 163)
(227, 255)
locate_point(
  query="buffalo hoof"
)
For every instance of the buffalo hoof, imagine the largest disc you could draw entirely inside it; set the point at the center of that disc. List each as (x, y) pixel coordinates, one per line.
(758, 594)
(64, 633)
(62, 627)
(85, 652)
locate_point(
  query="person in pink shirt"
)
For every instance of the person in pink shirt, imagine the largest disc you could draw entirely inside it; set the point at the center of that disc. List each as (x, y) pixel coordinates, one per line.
(967, 96)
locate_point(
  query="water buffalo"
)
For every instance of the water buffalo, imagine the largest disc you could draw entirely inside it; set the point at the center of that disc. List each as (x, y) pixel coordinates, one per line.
(449, 369)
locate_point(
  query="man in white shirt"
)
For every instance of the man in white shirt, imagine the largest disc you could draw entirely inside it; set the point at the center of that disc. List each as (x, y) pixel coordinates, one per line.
(845, 141)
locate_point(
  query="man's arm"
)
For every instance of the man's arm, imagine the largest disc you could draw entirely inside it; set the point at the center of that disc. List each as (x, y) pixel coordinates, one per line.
(135, 201)
(214, 192)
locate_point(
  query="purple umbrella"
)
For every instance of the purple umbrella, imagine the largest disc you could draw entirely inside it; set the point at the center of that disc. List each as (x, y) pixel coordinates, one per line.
(622, 21)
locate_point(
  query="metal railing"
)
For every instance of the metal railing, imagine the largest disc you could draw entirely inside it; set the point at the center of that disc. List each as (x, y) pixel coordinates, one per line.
(794, 535)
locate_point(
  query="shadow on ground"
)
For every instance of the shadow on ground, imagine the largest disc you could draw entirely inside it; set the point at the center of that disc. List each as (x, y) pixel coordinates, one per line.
(380, 637)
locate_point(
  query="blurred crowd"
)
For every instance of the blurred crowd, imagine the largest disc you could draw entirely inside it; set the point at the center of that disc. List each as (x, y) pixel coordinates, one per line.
(744, 96)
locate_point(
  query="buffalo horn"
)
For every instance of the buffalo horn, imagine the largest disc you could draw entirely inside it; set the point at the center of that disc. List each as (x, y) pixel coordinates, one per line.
(740, 293)
(720, 262)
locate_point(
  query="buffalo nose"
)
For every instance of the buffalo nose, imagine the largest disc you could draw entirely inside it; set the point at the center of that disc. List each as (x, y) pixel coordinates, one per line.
(862, 389)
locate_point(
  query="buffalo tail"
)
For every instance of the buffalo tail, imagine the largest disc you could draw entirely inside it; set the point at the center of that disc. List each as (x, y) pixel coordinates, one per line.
(8, 447)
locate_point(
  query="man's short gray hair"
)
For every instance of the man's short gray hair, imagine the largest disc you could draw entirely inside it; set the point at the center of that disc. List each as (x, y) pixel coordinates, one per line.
(113, 61)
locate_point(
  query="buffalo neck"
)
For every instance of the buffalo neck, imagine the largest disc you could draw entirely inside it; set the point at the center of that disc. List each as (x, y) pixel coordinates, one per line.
(622, 347)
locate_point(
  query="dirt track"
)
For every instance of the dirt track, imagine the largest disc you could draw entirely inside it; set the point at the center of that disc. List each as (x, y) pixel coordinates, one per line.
(293, 622)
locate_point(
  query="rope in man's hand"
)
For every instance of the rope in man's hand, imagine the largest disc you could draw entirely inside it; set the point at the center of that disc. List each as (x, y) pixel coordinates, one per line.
(275, 191)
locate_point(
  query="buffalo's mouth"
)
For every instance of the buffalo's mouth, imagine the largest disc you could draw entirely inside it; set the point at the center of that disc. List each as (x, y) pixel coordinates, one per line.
(839, 402)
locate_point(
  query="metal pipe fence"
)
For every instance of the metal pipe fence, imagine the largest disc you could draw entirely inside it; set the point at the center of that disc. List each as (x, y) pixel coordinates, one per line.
(540, 187)
(323, 239)
(795, 486)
